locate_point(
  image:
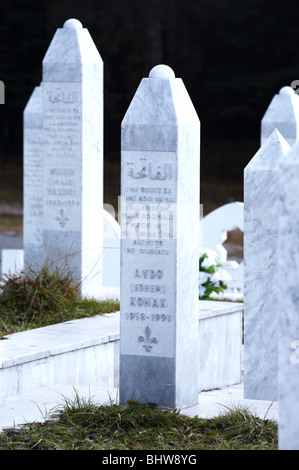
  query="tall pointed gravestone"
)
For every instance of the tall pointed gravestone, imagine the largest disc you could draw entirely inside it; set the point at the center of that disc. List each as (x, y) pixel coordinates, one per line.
(160, 155)
(288, 326)
(73, 155)
(282, 114)
(261, 271)
(33, 180)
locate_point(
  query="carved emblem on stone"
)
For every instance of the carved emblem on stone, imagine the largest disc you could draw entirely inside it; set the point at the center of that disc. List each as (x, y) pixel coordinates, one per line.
(147, 339)
(62, 219)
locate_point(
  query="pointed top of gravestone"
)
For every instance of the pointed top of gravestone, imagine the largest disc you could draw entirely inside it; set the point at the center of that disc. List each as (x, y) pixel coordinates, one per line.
(283, 114)
(32, 114)
(162, 71)
(293, 155)
(287, 90)
(270, 155)
(71, 49)
(160, 104)
(73, 24)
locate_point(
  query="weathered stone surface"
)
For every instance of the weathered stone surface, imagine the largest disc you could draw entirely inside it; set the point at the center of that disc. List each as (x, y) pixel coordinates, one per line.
(160, 243)
(261, 272)
(73, 155)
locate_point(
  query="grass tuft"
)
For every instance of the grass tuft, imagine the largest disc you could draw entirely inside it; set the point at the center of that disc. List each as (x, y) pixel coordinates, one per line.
(34, 299)
(84, 425)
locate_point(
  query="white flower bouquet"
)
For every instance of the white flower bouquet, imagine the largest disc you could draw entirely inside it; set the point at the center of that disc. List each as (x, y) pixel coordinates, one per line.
(212, 276)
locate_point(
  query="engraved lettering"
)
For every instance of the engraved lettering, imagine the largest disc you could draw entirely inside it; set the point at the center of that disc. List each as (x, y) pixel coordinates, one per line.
(150, 288)
(62, 171)
(148, 215)
(58, 95)
(144, 273)
(148, 302)
(154, 317)
(154, 172)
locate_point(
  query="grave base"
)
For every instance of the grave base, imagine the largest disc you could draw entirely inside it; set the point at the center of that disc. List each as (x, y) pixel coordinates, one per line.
(86, 352)
(219, 344)
(79, 352)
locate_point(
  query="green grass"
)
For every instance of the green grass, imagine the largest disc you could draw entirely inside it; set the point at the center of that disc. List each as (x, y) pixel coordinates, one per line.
(36, 299)
(84, 425)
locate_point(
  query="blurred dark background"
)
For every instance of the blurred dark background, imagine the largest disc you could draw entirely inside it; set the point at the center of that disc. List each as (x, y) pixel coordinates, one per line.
(233, 56)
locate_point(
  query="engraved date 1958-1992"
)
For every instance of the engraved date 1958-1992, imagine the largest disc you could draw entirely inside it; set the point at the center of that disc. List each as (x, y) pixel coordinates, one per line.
(161, 317)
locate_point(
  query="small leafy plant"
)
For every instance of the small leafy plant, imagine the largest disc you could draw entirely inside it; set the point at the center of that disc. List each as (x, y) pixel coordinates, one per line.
(212, 276)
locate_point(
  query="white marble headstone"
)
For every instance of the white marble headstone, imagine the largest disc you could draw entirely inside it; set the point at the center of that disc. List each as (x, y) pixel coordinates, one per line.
(160, 154)
(33, 180)
(73, 155)
(261, 272)
(283, 115)
(288, 325)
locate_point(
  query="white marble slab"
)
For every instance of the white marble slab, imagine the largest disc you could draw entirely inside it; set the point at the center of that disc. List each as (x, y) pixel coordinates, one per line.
(261, 272)
(219, 361)
(55, 339)
(33, 180)
(208, 309)
(159, 252)
(81, 352)
(288, 324)
(41, 404)
(217, 402)
(73, 156)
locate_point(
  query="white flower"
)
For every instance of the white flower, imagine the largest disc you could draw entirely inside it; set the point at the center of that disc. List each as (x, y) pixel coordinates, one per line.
(203, 277)
(210, 260)
(220, 276)
(224, 276)
(202, 291)
(215, 277)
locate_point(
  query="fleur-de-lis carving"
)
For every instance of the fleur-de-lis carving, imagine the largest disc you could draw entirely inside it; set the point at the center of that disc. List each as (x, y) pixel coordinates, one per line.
(62, 219)
(147, 339)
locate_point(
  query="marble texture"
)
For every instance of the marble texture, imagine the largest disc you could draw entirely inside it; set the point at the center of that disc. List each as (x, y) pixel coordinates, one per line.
(289, 302)
(261, 272)
(160, 154)
(219, 344)
(79, 352)
(217, 402)
(85, 353)
(282, 114)
(33, 180)
(73, 156)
